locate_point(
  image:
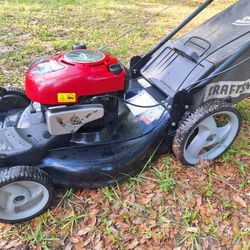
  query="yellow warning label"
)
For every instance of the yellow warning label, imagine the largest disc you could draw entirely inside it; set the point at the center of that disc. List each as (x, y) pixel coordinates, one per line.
(66, 97)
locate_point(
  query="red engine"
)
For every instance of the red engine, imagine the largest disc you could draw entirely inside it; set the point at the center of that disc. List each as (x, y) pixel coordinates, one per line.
(67, 77)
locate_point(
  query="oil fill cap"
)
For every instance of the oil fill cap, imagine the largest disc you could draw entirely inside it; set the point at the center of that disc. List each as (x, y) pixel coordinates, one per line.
(115, 69)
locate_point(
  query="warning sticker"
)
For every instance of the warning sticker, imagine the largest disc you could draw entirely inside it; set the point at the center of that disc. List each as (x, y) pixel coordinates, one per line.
(147, 115)
(66, 97)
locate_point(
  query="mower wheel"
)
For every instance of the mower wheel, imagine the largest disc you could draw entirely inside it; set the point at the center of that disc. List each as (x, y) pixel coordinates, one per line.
(13, 98)
(25, 192)
(207, 132)
(15, 91)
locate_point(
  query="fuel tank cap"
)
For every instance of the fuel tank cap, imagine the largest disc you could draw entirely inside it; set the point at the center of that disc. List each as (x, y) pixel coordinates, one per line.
(84, 56)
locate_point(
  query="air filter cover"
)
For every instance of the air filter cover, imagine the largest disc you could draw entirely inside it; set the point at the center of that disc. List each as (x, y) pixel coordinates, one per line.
(84, 56)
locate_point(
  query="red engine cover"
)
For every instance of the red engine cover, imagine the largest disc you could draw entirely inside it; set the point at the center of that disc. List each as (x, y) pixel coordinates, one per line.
(66, 77)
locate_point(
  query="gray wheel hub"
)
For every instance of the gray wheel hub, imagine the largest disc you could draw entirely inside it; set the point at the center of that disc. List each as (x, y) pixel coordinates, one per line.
(211, 139)
(22, 199)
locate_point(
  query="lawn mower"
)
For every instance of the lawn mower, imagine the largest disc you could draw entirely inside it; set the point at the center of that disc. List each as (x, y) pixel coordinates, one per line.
(86, 120)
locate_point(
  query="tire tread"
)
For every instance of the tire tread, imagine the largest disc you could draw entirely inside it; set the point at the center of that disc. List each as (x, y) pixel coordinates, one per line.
(26, 173)
(186, 125)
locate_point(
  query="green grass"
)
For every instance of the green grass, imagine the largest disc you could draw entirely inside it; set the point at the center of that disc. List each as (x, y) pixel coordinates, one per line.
(30, 29)
(164, 179)
(40, 237)
(168, 205)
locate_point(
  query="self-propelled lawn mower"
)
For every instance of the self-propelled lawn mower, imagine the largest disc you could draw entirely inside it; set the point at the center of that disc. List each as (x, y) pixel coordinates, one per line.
(85, 120)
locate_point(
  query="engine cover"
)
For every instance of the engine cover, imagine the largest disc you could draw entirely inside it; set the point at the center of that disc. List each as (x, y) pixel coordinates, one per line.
(64, 78)
(66, 120)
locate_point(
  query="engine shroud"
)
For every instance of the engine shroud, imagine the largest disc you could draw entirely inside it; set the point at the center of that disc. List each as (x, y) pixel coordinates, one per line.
(64, 78)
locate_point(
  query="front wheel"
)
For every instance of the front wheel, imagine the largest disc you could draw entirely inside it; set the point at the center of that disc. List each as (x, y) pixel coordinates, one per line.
(207, 132)
(25, 192)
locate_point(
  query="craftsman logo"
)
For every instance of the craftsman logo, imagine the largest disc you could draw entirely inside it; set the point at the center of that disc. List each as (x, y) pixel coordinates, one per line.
(242, 22)
(227, 89)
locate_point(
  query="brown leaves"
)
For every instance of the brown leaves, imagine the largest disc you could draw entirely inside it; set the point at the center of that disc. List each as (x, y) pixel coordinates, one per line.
(144, 217)
(133, 244)
(84, 231)
(12, 244)
(92, 219)
(235, 224)
(199, 202)
(147, 199)
(192, 229)
(239, 201)
(148, 218)
(204, 164)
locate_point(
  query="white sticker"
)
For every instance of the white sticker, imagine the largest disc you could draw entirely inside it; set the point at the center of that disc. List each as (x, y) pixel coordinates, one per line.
(227, 89)
(147, 115)
(242, 22)
(150, 115)
(144, 83)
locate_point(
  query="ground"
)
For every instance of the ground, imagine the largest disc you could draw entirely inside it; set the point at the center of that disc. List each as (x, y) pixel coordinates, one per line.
(168, 206)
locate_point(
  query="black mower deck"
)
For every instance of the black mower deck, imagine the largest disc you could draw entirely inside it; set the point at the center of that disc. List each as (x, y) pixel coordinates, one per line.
(90, 159)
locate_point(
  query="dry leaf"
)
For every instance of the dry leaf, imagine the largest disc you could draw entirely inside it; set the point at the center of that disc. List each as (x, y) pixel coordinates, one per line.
(13, 244)
(199, 202)
(92, 220)
(68, 246)
(204, 164)
(240, 201)
(152, 223)
(205, 244)
(236, 247)
(114, 231)
(38, 247)
(84, 231)
(133, 244)
(99, 246)
(79, 246)
(145, 200)
(3, 243)
(137, 221)
(235, 225)
(246, 218)
(86, 242)
(192, 229)
(74, 240)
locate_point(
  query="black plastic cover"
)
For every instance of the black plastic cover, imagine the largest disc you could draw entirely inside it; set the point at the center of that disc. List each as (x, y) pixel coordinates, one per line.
(184, 61)
(223, 28)
(171, 70)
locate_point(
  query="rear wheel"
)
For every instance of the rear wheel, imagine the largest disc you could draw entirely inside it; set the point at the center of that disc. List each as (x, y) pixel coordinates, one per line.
(206, 133)
(25, 192)
(13, 98)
